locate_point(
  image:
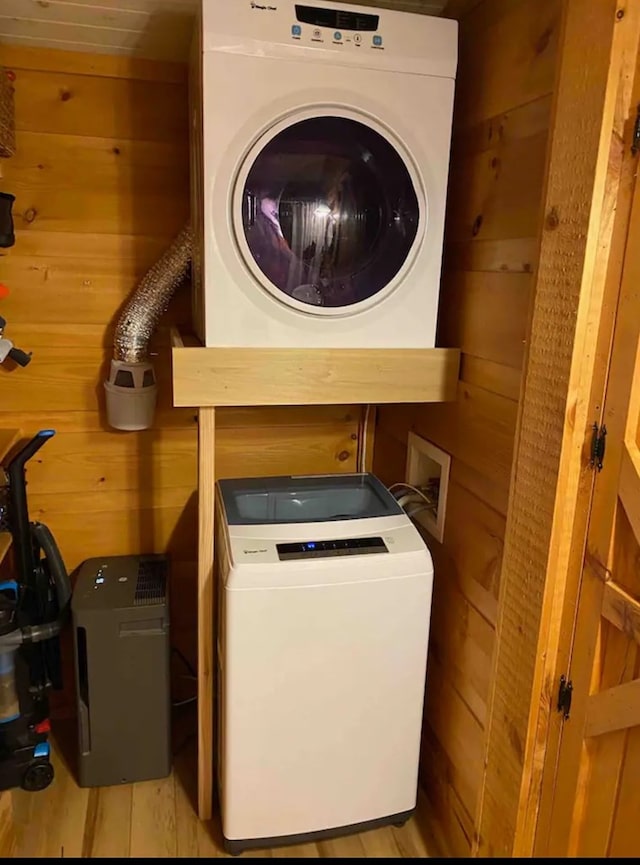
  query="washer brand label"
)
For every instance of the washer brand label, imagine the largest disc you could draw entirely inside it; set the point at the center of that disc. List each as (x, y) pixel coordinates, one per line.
(263, 7)
(253, 552)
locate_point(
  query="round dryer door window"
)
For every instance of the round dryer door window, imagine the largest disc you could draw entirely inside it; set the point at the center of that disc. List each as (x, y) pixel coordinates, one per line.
(330, 213)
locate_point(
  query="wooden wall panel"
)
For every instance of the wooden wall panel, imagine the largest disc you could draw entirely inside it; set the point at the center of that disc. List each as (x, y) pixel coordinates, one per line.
(90, 105)
(465, 322)
(461, 641)
(472, 550)
(504, 94)
(457, 730)
(501, 199)
(477, 429)
(458, 830)
(507, 51)
(101, 184)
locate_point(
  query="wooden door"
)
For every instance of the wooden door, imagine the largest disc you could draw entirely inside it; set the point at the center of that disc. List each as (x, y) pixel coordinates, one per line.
(596, 794)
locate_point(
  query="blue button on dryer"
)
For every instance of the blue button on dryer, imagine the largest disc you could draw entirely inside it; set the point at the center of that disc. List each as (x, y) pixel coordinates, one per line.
(377, 41)
(337, 35)
(41, 750)
(296, 30)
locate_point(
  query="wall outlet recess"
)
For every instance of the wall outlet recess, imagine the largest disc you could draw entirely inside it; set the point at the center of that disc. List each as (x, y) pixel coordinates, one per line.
(428, 469)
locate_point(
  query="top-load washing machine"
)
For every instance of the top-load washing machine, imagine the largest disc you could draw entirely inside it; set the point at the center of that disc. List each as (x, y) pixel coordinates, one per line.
(324, 588)
(320, 153)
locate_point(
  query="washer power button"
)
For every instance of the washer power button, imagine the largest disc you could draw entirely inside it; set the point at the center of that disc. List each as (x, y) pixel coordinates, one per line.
(377, 41)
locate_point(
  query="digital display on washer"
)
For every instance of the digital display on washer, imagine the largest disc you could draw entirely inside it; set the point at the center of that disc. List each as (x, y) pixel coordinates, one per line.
(336, 18)
(328, 549)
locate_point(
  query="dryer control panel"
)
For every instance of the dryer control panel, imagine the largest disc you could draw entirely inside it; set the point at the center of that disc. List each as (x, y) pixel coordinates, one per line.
(336, 18)
(315, 31)
(336, 26)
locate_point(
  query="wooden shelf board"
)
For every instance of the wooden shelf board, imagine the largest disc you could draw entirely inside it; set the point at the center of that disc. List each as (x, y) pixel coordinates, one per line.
(287, 376)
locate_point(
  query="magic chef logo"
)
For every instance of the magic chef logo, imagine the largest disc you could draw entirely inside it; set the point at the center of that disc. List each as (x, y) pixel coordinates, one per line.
(263, 7)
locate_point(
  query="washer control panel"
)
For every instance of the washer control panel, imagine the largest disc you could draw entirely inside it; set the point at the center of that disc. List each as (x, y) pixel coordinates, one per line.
(329, 549)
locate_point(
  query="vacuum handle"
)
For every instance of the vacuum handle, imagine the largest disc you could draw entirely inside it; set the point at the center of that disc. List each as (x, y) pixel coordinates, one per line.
(19, 517)
(30, 449)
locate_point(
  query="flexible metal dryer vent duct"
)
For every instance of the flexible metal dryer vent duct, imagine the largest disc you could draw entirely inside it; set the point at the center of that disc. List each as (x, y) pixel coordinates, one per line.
(131, 388)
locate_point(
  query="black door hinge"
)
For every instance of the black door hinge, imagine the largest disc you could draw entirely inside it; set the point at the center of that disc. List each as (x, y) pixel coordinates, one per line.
(635, 143)
(598, 446)
(564, 696)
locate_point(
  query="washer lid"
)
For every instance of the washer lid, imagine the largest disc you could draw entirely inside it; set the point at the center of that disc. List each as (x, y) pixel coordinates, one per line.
(305, 499)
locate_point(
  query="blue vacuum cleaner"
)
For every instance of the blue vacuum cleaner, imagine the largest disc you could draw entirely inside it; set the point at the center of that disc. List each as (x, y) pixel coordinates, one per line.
(34, 605)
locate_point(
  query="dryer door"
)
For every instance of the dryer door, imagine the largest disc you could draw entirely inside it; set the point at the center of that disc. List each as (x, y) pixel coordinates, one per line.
(327, 213)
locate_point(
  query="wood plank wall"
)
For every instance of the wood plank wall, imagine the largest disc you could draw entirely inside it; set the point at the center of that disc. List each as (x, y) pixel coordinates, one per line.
(503, 102)
(101, 184)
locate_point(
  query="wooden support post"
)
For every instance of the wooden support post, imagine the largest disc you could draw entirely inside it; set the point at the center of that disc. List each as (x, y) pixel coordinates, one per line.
(206, 598)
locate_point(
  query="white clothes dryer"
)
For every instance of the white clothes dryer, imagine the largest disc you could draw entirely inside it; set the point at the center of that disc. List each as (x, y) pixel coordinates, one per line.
(320, 154)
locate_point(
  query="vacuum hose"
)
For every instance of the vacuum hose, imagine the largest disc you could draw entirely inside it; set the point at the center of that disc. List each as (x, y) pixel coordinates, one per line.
(11, 640)
(42, 535)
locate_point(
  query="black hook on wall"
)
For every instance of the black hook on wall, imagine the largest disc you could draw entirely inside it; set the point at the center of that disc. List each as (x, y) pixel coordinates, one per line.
(7, 237)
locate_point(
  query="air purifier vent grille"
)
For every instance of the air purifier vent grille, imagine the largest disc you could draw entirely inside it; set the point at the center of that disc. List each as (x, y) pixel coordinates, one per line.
(151, 586)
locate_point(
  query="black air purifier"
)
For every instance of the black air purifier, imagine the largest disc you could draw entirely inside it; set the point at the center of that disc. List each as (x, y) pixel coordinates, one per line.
(120, 611)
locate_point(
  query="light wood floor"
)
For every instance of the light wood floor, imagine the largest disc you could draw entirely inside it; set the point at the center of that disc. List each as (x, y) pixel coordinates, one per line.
(157, 819)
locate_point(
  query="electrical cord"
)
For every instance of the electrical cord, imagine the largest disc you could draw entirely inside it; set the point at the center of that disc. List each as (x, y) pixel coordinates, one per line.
(184, 702)
(407, 486)
(192, 676)
(185, 661)
(423, 505)
(407, 497)
(420, 508)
